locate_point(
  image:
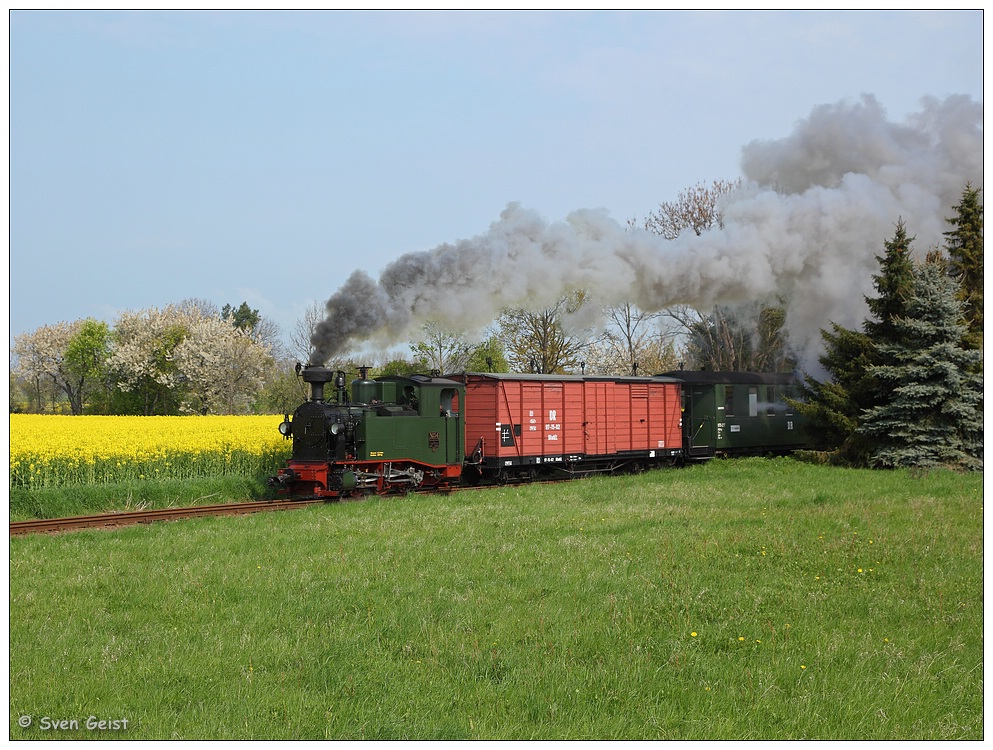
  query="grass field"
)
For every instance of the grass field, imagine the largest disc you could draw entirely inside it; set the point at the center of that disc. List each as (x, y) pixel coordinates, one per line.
(735, 600)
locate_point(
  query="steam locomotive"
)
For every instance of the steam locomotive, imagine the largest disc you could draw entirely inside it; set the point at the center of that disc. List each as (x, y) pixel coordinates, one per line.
(395, 434)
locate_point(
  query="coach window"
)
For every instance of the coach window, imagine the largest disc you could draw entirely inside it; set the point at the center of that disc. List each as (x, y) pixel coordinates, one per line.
(787, 395)
(770, 408)
(729, 401)
(753, 402)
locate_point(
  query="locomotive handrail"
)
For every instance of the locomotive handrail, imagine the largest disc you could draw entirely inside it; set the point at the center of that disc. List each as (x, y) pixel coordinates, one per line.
(703, 420)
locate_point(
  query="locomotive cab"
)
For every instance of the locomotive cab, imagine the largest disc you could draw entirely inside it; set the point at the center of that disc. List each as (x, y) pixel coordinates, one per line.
(394, 434)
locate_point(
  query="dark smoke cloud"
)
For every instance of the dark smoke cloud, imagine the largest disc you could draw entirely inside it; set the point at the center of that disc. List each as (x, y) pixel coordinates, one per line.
(811, 216)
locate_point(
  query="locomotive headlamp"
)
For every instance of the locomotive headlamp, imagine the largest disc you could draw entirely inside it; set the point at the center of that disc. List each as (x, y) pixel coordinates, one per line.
(336, 428)
(285, 428)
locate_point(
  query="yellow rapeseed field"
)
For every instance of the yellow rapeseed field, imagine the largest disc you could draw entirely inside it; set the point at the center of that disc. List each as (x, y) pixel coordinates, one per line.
(52, 451)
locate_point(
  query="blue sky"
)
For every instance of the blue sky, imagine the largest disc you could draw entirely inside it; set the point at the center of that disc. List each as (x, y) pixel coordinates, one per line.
(230, 156)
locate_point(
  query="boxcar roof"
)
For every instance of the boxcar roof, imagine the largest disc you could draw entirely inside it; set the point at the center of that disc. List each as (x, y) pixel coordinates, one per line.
(711, 377)
(566, 378)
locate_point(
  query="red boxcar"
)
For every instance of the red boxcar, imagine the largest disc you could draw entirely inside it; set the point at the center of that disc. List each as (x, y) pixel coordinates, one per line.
(582, 423)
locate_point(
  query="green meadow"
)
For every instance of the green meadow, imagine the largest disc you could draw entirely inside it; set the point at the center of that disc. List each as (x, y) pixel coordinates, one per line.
(748, 599)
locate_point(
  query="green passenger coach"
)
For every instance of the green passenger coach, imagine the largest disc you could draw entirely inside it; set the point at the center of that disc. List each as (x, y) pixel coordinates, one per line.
(738, 413)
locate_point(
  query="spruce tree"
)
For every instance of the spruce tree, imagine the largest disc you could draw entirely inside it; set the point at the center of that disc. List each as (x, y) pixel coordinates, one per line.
(933, 415)
(834, 407)
(894, 285)
(964, 245)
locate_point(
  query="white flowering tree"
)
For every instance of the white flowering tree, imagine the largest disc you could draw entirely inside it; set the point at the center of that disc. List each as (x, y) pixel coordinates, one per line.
(183, 358)
(40, 356)
(142, 361)
(223, 367)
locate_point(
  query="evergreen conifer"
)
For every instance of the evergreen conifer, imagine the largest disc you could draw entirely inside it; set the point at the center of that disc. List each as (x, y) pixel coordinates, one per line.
(834, 407)
(964, 244)
(933, 414)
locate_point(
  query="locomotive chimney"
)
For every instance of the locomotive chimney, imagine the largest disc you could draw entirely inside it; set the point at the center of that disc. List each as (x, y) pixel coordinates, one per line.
(317, 377)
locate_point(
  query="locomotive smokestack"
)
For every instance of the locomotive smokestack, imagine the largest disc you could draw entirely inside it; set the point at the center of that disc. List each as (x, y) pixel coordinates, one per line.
(317, 377)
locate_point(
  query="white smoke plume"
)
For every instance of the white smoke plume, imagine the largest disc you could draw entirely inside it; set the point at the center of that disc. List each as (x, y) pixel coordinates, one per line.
(810, 218)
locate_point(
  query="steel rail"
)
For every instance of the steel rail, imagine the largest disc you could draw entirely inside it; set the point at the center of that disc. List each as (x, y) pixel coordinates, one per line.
(128, 518)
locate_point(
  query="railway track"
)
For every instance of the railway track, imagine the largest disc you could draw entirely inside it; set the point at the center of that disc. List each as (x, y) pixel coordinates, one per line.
(131, 518)
(128, 518)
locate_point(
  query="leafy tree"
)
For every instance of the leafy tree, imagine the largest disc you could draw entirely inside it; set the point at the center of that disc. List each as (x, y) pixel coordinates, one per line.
(442, 349)
(538, 341)
(244, 317)
(69, 356)
(933, 414)
(771, 352)
(86, 364)
(282, 391)
(264, 331)
(488, 357)
(964, 245)
(400, 367)
(16, 406)
(38, 357)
